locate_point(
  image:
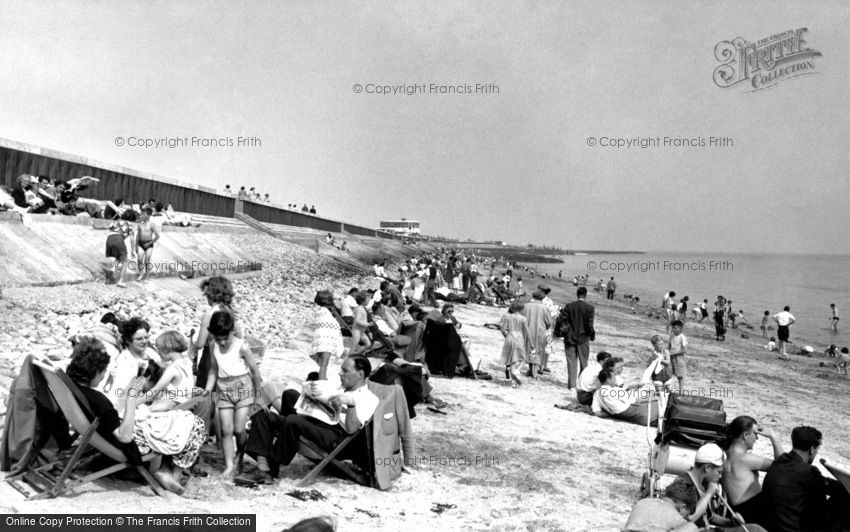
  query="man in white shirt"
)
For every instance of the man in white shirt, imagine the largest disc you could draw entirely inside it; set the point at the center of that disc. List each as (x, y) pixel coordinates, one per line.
(588, 380)
(783, 320)
(321, 418)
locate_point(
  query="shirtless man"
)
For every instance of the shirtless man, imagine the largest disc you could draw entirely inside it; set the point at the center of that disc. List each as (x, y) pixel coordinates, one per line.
(741, 470)
(146, 235)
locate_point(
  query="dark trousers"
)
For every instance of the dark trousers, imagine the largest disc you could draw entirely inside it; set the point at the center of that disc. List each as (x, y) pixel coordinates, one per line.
(576, 361)
(430, 295)
(465, 281)
(584, 398)
(276, 436)
(610, 294)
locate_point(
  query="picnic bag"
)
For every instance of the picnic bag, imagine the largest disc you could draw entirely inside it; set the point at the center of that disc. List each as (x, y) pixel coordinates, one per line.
(693, 421)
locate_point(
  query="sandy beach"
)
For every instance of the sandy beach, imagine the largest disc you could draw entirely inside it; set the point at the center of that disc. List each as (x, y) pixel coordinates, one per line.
(502, 458)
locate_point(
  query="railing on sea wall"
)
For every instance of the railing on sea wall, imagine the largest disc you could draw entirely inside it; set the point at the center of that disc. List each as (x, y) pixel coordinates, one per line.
(268, 214)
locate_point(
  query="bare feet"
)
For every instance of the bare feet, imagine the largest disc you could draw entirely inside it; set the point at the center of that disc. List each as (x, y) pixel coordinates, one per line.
(230, 472)
(168, 482)
(121, 285)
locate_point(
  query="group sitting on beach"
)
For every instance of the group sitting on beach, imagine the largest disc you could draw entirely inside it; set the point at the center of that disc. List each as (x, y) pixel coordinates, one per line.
(723, 489)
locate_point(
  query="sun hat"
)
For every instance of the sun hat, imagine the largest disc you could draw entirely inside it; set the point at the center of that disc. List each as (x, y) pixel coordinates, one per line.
(709, 453)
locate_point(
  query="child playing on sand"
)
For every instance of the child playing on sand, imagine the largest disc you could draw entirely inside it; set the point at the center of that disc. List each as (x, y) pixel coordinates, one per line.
(764, 321)
(658, 369)
(514, 328)
(771, 345)
(175, 384)
(678, 345)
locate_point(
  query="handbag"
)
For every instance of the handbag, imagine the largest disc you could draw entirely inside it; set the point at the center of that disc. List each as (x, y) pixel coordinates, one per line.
(562, 327)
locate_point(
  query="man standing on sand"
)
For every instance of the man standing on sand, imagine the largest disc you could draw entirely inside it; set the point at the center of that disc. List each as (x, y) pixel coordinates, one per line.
(579, 316)
(783, 321)
(611, 286)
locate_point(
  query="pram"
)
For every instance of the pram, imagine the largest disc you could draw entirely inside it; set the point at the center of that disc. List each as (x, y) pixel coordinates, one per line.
(687, 422)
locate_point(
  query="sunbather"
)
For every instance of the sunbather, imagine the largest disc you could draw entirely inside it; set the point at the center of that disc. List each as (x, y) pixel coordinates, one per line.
(741, 470)
(637, 405)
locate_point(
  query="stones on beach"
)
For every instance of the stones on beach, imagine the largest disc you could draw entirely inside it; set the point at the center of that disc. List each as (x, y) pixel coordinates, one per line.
(273, 307)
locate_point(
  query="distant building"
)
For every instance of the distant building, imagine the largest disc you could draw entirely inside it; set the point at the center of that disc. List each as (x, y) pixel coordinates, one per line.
(401, 227)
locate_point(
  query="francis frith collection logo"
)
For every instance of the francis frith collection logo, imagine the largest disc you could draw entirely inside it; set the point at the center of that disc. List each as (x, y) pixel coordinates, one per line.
(765, 63)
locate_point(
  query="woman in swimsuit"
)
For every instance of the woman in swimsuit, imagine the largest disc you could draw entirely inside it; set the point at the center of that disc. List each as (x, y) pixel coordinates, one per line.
(146, 236)
(121, 233)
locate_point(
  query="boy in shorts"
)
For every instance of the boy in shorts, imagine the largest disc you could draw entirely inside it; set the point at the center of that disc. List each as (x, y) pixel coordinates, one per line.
(677, 345)
(235, 377)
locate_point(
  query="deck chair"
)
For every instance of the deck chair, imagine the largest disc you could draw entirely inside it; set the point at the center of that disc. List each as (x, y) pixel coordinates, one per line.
(443, 348)
(51, 477)
(343, 325)
(322, 458)
(388, 439)
(380, 344)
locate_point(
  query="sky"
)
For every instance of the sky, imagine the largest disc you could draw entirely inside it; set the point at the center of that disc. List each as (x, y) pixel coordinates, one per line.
(512, 162)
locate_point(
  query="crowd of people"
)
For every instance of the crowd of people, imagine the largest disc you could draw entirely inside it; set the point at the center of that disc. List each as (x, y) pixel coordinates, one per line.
(208, 385)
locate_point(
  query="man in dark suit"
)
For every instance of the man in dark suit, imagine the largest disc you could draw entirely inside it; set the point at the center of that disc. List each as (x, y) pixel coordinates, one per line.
(579, 316)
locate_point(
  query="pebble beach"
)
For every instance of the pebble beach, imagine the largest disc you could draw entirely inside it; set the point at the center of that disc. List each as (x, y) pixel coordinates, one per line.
(499, 459)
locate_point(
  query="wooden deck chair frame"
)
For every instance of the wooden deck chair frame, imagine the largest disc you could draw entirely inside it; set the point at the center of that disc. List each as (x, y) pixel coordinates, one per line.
(75, 408)
(372, 333)
(344, 327)
(385, 344)
(313, 452)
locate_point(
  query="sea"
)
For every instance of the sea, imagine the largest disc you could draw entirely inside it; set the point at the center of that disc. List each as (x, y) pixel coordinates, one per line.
(755, 282)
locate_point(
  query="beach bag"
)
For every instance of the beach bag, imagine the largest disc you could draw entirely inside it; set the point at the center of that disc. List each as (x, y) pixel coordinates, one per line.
(562, 327)
(693, 421)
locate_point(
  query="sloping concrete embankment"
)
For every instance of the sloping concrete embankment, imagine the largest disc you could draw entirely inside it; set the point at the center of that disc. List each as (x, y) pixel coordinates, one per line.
(50, 250)
(44, 250)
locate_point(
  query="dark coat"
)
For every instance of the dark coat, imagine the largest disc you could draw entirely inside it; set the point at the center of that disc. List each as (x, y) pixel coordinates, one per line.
(443, 347)
(579, 315)
(33, 421)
